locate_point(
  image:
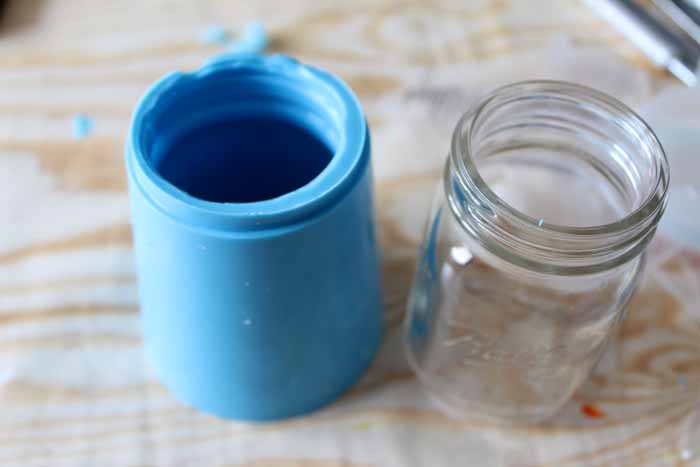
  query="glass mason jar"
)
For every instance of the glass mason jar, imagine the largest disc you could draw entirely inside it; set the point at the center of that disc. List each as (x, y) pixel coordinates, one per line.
(533, 247)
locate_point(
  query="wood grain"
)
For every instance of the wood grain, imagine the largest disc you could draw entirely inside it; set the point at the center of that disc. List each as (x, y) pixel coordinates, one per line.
(75, 388)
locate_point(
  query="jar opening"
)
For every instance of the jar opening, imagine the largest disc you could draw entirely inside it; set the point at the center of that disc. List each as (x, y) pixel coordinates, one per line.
(558, 175)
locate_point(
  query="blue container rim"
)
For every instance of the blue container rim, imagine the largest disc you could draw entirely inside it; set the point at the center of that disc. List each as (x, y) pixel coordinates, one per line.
(351, 153)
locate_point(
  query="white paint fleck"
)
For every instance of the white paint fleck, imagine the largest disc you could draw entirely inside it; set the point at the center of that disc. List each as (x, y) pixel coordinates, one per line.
(248, 322)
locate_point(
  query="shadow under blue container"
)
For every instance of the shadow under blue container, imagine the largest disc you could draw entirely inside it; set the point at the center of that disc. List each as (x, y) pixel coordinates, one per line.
(253, 222)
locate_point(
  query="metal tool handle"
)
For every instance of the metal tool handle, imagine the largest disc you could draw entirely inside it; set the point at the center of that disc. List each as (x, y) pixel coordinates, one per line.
(651, 36)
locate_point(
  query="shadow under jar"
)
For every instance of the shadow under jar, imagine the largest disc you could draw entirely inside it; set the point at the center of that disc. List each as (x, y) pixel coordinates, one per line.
(533, 247)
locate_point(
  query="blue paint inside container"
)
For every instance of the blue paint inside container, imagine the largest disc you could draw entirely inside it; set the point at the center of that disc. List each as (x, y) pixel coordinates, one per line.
(244, 160)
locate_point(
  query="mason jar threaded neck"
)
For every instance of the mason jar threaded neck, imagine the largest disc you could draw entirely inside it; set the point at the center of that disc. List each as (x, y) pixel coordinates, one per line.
(568, 128)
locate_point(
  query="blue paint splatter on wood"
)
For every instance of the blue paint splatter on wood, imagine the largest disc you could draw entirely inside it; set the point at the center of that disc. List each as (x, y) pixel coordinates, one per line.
(82, 126)
(253, 41)
(214, 34)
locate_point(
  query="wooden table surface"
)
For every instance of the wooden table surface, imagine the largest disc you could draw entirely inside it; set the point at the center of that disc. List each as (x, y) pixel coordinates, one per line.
(74, 387)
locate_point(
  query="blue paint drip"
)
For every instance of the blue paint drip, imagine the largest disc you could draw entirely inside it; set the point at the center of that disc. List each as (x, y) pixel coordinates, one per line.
(253, 41)
(82, 126)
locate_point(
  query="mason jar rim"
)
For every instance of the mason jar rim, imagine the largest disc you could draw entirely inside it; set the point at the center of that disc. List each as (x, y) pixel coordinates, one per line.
(497, 217)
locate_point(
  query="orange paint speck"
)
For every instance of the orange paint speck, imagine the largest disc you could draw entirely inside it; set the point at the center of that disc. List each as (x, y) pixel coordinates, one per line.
(590, 410)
